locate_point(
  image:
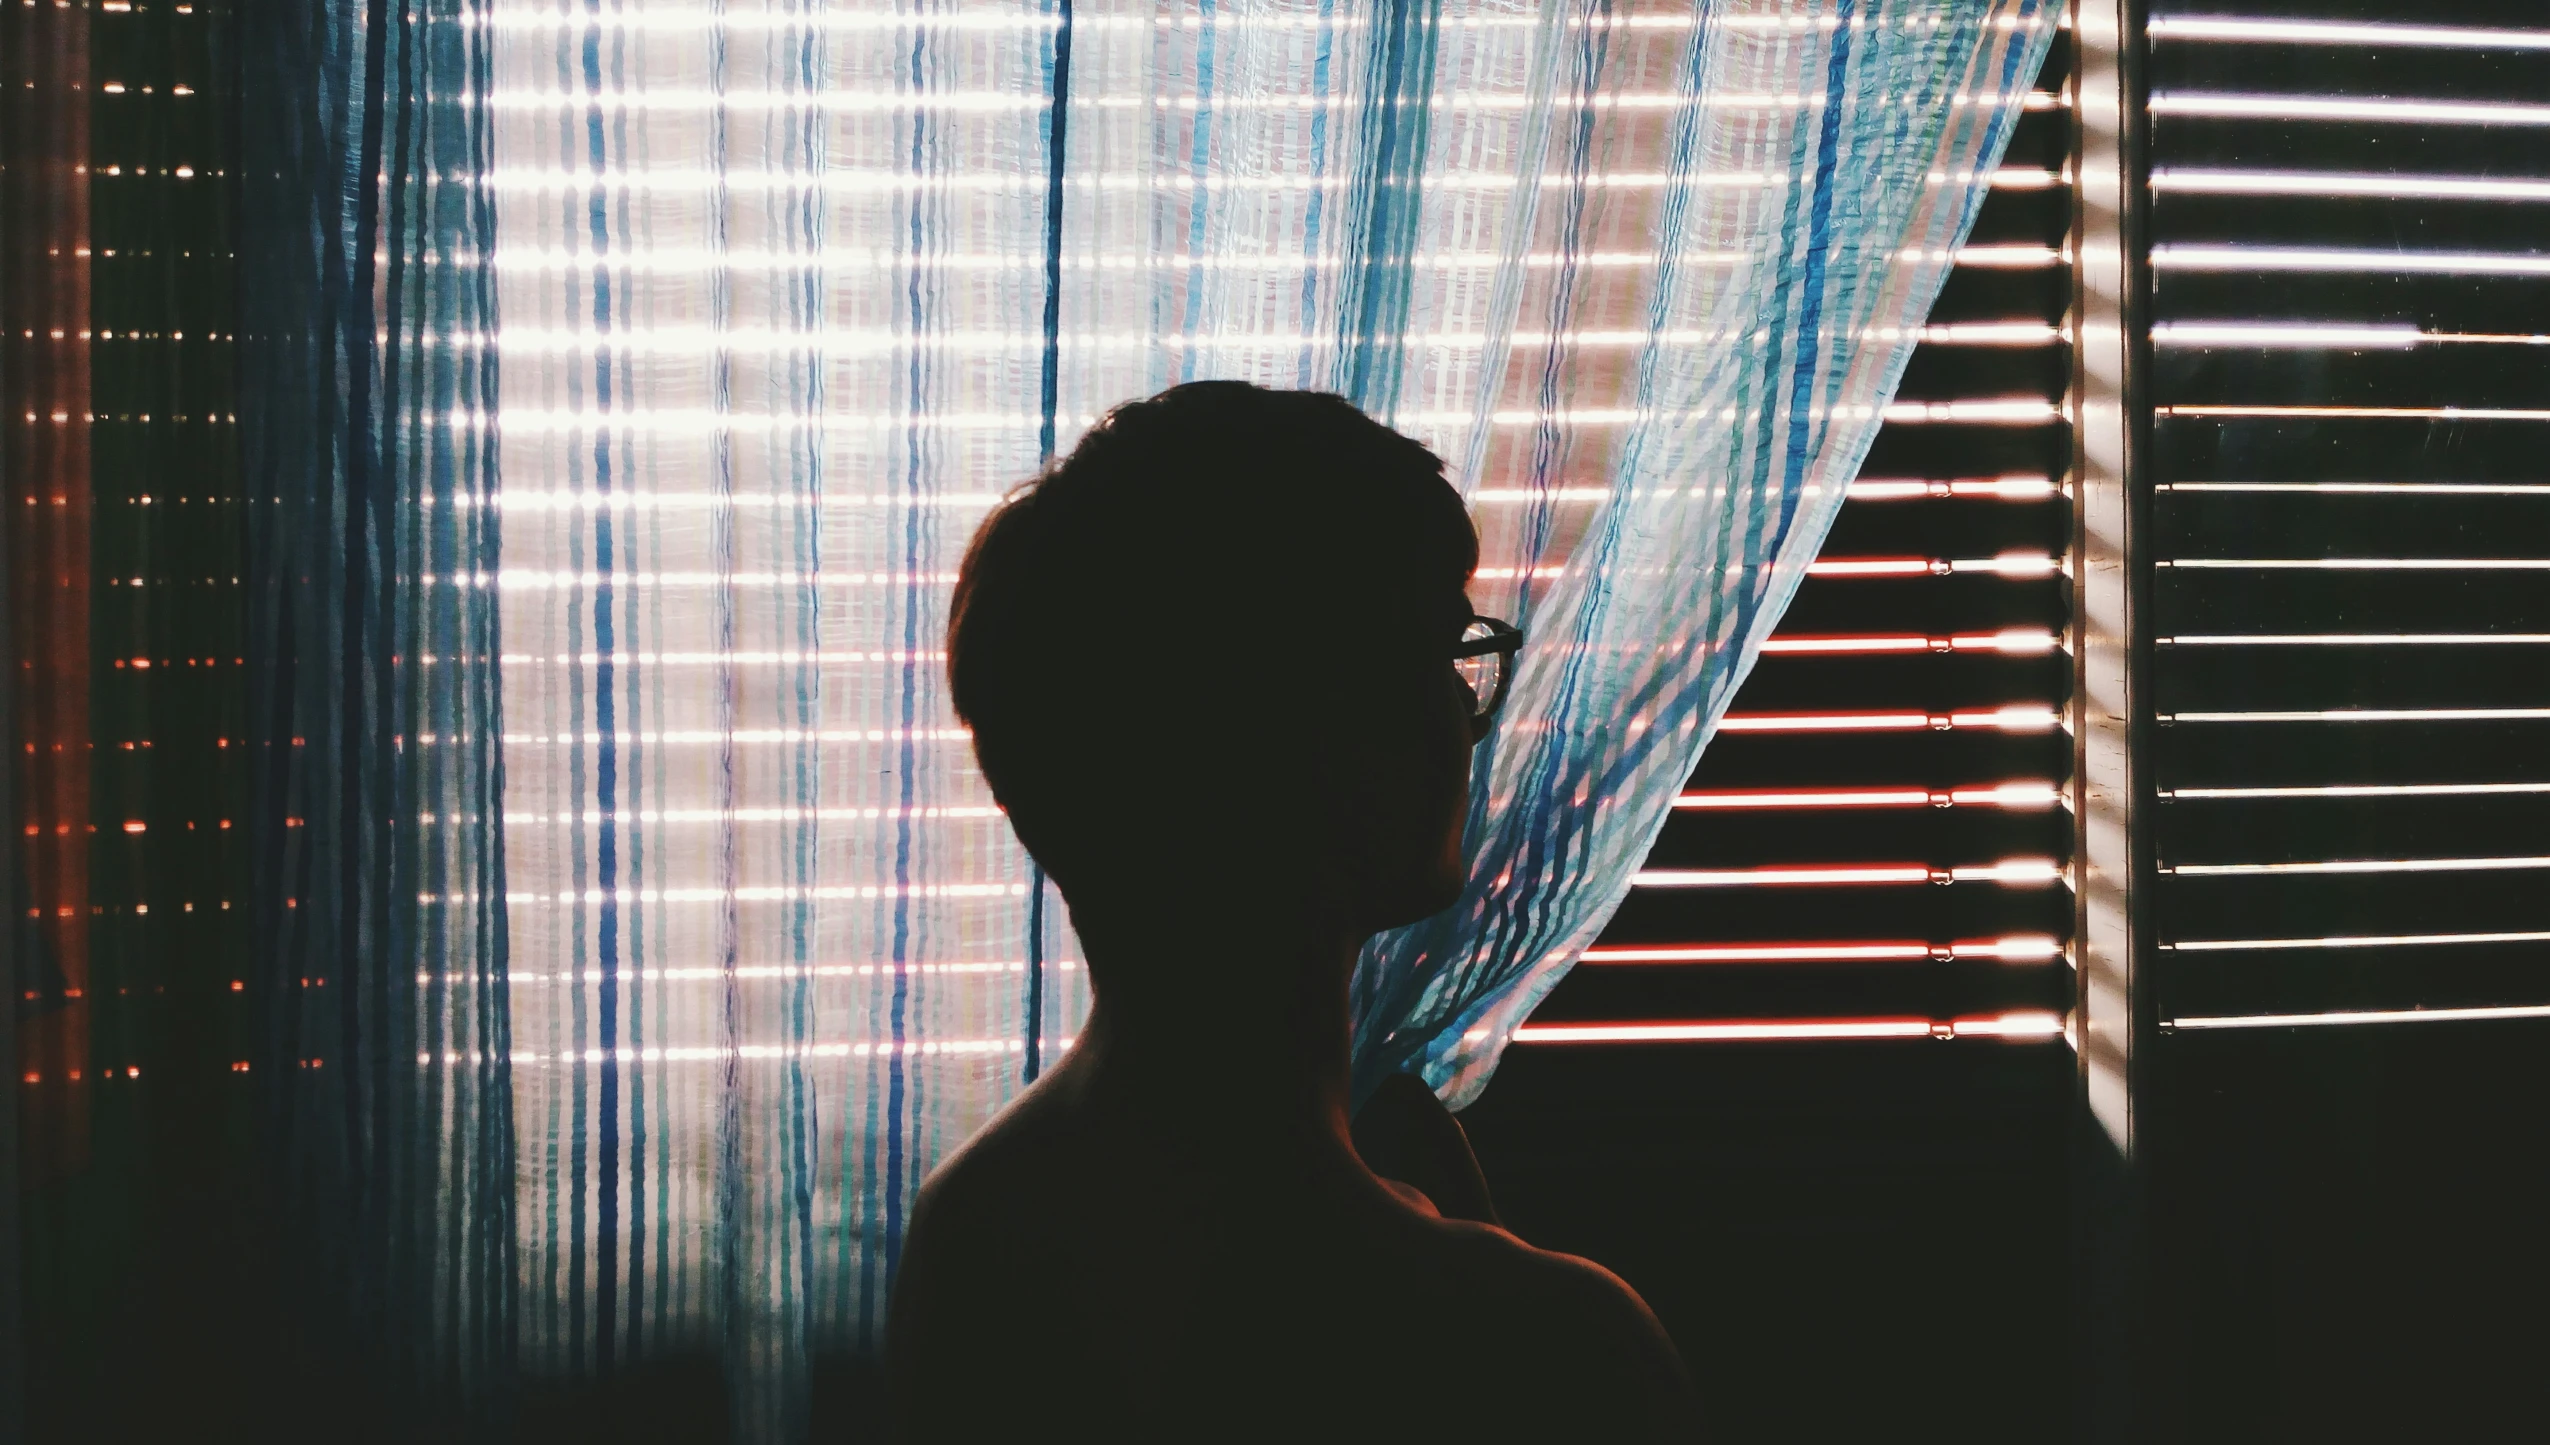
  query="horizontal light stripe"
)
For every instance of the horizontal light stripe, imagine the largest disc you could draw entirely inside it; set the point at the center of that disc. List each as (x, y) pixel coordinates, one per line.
(2264, 336)
(2366, 790)
(1820, 798)
(2336, 32)
(2012, 871)
(721, 1053)
(1838, 874)
(2367, 1016)
(2023, 1024)
(852, 343)
(1762, 953)
(1999, 795)
(525, 422)
(1006, 22)
(2011, 564)
(1731, 1031)
(2021, 718)
(527, 500)
(536, 185)
(2000, 489)
(1982, 333)
(2372, 186)
(627, 736)
(2360, 413)
(2212, 106)
(1875, 567)
(2182, 257)
(741, 657)
(2020, 1025)
(2391, 940)
(2008, 564)
(2004, 256)
(542, 578)
(2015, 641)
(590, 816)
(672, 260)
(545, 102)
(2356, 639)
(2019, 948)
(2362, 865)
(2405, 489)
(2362, 564)
(2012, 411)
(758, 973)
(2005, 795)
(2372, 714)
(749, 893)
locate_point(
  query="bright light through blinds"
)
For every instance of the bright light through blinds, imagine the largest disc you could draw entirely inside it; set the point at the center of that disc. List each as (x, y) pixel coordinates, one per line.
(773, 290)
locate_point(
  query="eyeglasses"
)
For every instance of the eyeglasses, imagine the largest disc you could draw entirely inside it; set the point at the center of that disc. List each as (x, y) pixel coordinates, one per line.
(1485, 660)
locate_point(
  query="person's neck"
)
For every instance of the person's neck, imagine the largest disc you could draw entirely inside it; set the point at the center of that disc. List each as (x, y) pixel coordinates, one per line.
(1225, 1046)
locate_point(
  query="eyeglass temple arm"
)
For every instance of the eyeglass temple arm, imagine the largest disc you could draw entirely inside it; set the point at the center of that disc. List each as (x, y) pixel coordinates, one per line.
(1507, 639)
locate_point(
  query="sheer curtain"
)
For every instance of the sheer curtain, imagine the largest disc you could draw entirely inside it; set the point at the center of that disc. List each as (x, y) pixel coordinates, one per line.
(780, 296)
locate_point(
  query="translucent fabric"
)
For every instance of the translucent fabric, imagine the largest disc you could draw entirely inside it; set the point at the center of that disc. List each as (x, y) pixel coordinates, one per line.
(782, 296)
(377, 1009)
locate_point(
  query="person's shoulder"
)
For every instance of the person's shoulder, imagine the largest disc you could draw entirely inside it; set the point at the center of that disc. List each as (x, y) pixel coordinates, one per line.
(1582, 1328)
(1559, 1287)
(994, 1181)
(976, 1270)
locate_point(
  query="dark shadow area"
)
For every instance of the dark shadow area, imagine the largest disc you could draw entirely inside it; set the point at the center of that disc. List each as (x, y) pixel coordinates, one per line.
(2349, 1234)
(1850, 1242)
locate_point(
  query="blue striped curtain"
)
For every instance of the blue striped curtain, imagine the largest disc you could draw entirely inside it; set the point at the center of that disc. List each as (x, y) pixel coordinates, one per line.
(769, 300)
(378, 1011)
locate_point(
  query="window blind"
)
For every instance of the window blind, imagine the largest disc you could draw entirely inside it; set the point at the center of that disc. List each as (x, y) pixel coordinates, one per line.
(2351, 633)
(1876, 844)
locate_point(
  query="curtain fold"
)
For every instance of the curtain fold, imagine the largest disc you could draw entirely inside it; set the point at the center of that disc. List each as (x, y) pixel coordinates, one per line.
(1792, 205)
(380, 1047)
(669, 933)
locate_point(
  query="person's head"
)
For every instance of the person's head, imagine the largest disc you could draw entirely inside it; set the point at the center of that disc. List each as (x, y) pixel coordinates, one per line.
(1207, 660)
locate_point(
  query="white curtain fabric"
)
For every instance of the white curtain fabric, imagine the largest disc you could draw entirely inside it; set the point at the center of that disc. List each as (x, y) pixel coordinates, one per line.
(791, 292)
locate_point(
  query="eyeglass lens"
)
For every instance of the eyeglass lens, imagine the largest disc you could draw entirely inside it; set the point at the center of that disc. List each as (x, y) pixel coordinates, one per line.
(1481, 674)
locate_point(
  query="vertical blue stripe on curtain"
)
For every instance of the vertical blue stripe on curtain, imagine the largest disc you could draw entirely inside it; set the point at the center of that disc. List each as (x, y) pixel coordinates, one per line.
(1387, 203)
(1057, 140)
(606, 722)
(377, 867)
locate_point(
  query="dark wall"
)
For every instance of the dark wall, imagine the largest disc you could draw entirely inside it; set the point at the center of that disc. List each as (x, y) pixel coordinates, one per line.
(2350, 1234)
(1849, 1242)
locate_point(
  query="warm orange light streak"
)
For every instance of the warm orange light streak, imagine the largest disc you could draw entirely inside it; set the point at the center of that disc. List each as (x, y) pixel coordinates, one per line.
(2014, 872)
(1817, 798)
(2020, 641)
(1823, 722)
(1863, 645)
(1790, 875)
(2006, 795)
(2026, 1024)
(1760, 953)
(1872, 567)
(2021, 718)
(2017, 948)
(1710, 1031)
(1998, 795)
(2007, 564)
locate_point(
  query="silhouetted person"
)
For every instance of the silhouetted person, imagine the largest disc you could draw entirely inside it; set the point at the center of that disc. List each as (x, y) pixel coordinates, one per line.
(1209, 661)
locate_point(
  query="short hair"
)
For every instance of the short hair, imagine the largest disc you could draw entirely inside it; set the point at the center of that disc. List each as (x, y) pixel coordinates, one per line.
(1204, 573)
